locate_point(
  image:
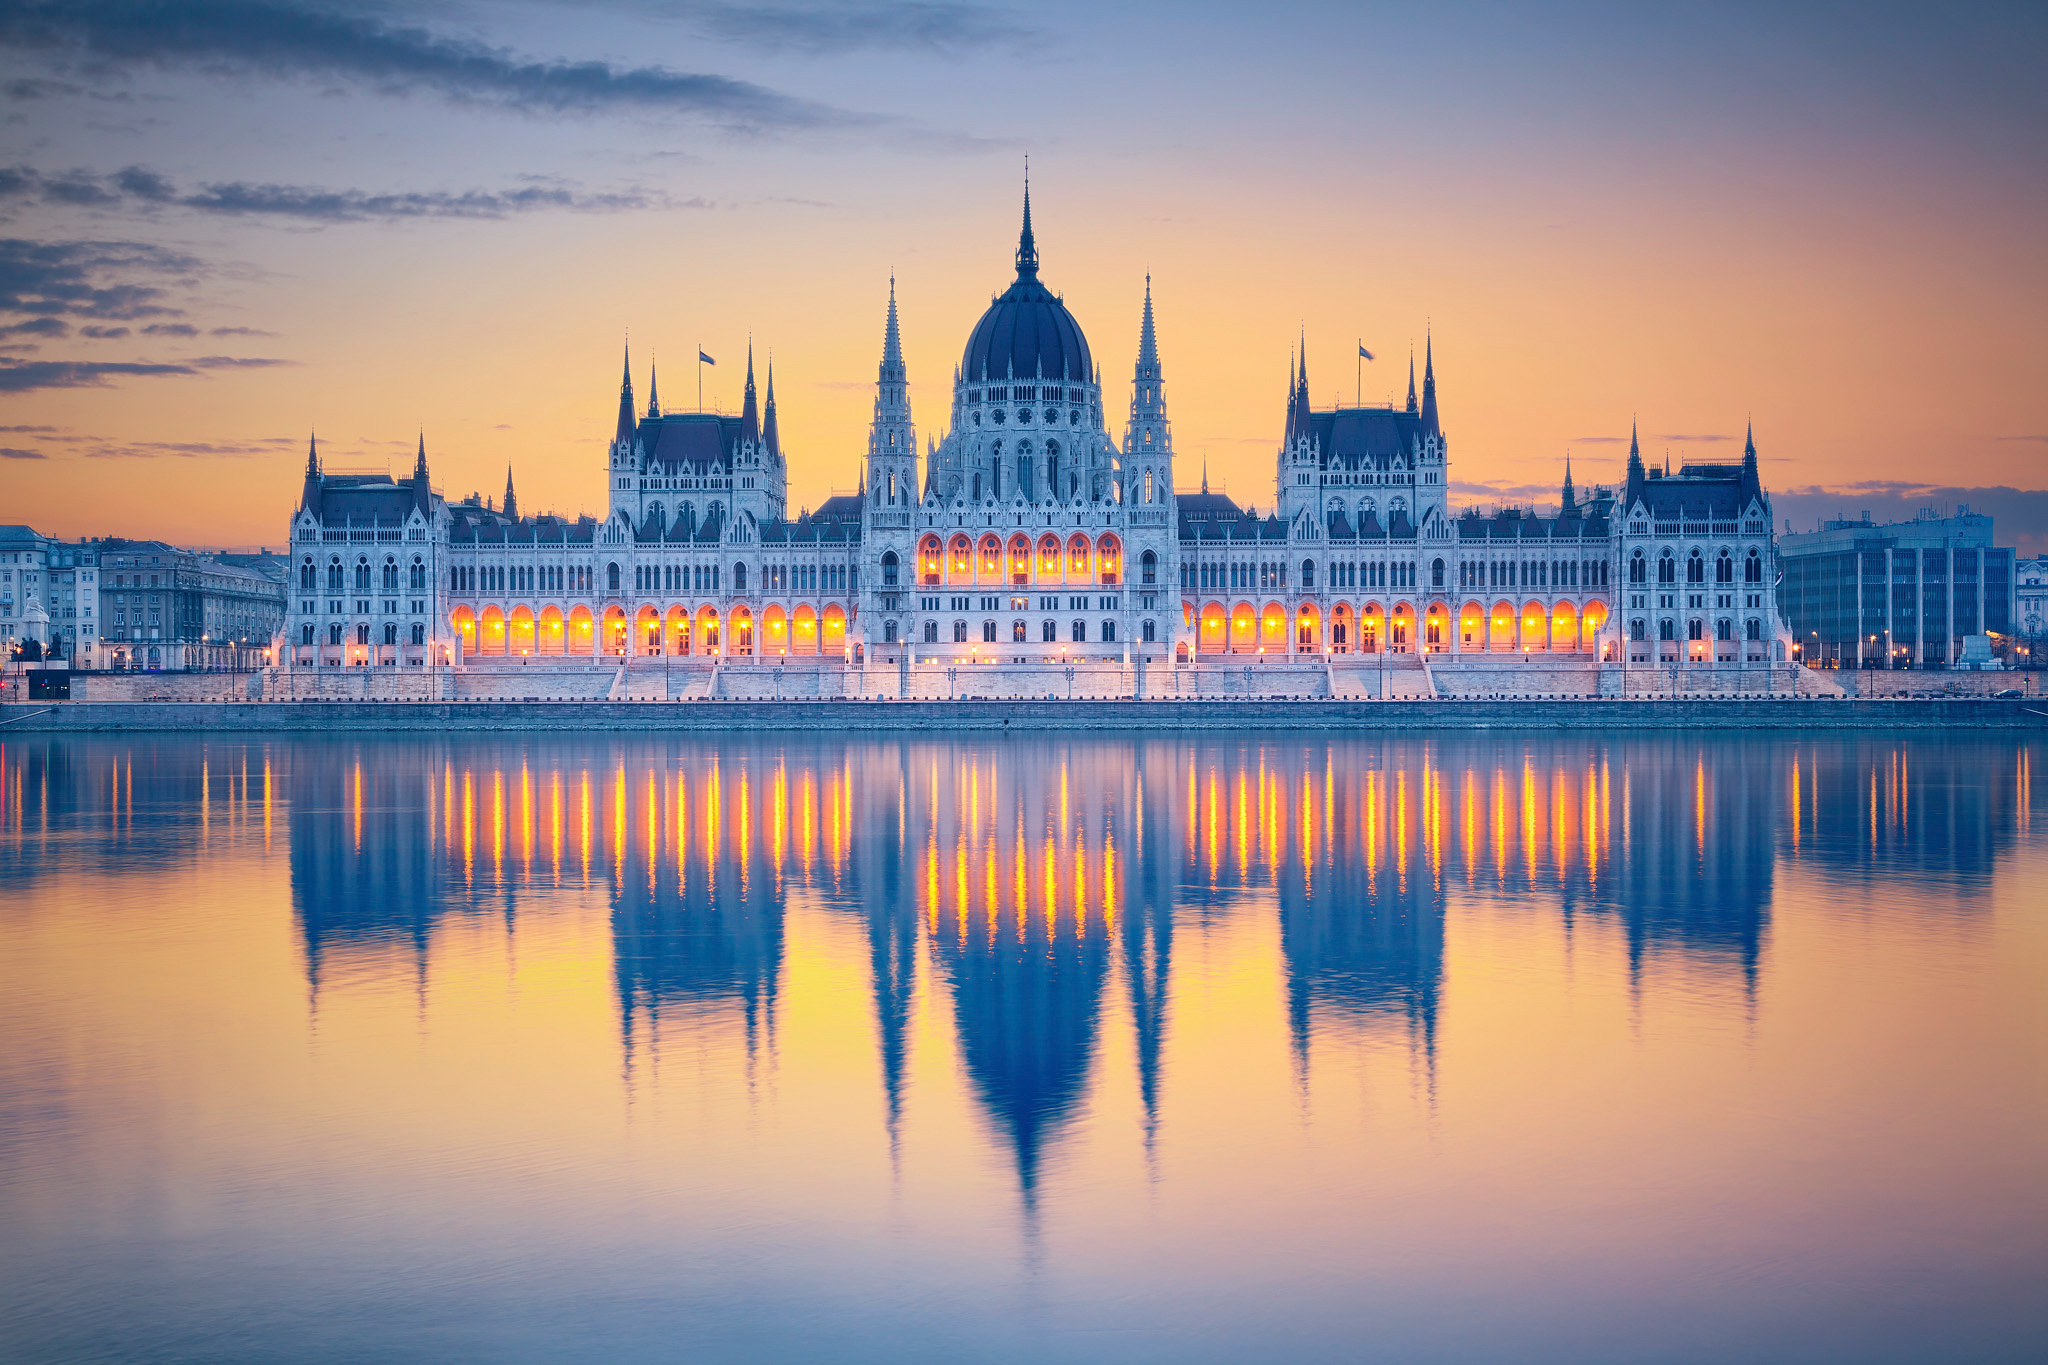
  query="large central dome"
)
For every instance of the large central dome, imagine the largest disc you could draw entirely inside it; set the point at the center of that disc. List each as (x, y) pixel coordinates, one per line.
(1027, 332)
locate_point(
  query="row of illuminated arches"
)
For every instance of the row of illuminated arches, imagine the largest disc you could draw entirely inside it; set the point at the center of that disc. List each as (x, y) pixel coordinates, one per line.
(364, 574)
(991, 560)
(1370, 628)
(1696, 568)
(706, 632)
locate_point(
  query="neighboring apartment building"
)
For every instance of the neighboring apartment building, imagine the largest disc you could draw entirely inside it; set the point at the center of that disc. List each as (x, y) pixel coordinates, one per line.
(62, 582)
(2031, 606)
(1864, 594)
(166, 608)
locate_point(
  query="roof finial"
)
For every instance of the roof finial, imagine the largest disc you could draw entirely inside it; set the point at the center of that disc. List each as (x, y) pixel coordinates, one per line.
(1027, 245)
(653, 388)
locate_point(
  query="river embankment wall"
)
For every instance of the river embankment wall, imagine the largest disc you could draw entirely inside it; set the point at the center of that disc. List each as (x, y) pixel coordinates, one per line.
(2021, 715)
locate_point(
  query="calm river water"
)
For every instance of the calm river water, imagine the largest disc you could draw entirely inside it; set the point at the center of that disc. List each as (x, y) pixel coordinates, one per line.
(1517, 1046)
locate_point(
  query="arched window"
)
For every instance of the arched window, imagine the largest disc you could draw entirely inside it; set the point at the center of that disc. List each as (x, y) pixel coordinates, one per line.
(1436, 574)
(1308, 575)
(611, 577)
(1724, 629)
(1753, 571)
(1695, 568)
(1755, 629)
(418, 577)
(1109, 632)
(362, 575)
(419, 633)
(889, 565)
(1667, 568)
(1635, 631)
(1665, 630)
(1724, 568)
(390, 575)
(1148, 569)
(1049, 632)
(1080, 632)
(1638, 569)
(959, 632)
(306, 633)
(1148, 484)
(307, 578)
(988, 632)
(931, 632)
(739, 578)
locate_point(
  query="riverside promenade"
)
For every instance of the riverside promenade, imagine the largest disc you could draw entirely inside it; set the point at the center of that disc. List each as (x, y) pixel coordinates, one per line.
(2019, 715)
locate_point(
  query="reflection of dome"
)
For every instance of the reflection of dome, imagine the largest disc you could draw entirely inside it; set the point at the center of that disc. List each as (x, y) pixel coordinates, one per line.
(1027, 333)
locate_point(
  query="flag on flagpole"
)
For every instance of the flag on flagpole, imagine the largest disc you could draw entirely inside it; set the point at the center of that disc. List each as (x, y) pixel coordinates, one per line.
(703, 359)
(1362, 351)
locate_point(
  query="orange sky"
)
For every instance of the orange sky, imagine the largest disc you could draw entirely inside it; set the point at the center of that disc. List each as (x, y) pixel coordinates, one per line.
(1597, 220)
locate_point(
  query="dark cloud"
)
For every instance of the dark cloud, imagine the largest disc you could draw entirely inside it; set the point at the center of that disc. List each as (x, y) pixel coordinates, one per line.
(2019, 515)
(38, 327)
(24, 376)
(103, 333)
(185, 450)
(829, 29)
(26, 431)
(239, 332)
(1599, 440)
(170, 329)
(369, 51)
(140, 188)
(90, 279)
(17, 453)
(1690, 439)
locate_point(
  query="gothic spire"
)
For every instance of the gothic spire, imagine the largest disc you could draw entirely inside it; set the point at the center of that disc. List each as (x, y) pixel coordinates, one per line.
(1571, 500)
(1749, 451)
(653, 390)
(1027, 245)
(769, 436)
(511, 498)
(309, 496)
(892, 341)
(1291, 397)
(624, 434)
(1411, 379)
(1148, 341)
(1636, 473)
(1429, 415)
(422, 493)
(750, 412)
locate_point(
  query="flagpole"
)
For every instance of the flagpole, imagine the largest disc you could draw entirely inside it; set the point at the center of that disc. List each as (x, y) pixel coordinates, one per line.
(1359, 364)
(700, 376)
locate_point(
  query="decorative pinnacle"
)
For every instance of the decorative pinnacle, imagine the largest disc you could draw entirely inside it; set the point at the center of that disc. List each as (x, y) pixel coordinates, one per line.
(1027, 245)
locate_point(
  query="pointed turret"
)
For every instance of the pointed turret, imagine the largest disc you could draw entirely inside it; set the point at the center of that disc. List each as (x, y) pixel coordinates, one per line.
(1148, 439)
(1636, 473)
(1749, 454)
(1287, 437)
(1570, 505)
(511, 498)
(769, 436)
(624, 435)
(422, 493)
(750, 411)
(892, 440)
(1429, 416)
(653, 390)
(309, 495)
(1411, 379)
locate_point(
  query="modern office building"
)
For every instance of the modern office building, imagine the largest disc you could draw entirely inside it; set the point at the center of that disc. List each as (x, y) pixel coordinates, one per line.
(1864, 594)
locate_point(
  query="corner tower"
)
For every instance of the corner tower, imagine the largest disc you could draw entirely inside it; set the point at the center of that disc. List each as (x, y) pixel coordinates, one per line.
(1148, 439)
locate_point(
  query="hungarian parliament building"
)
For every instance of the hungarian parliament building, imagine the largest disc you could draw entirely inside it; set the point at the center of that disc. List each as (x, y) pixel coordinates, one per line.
(1028, 552)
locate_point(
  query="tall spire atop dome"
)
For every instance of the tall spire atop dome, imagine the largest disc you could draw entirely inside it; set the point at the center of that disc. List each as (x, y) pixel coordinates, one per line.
(1027, 245)
(750, 412)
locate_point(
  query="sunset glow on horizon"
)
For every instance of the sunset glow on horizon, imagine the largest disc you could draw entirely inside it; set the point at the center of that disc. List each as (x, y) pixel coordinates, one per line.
(1824, 224)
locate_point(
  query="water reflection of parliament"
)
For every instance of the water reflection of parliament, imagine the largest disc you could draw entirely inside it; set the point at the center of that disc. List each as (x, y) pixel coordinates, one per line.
(1033, 886)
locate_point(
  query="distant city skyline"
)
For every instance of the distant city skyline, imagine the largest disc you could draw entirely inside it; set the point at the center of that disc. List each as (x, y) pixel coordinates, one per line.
(269, 218)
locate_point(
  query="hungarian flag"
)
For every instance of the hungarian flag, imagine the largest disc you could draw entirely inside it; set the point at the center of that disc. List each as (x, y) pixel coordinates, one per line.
(1362, 351)
(705, 359)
